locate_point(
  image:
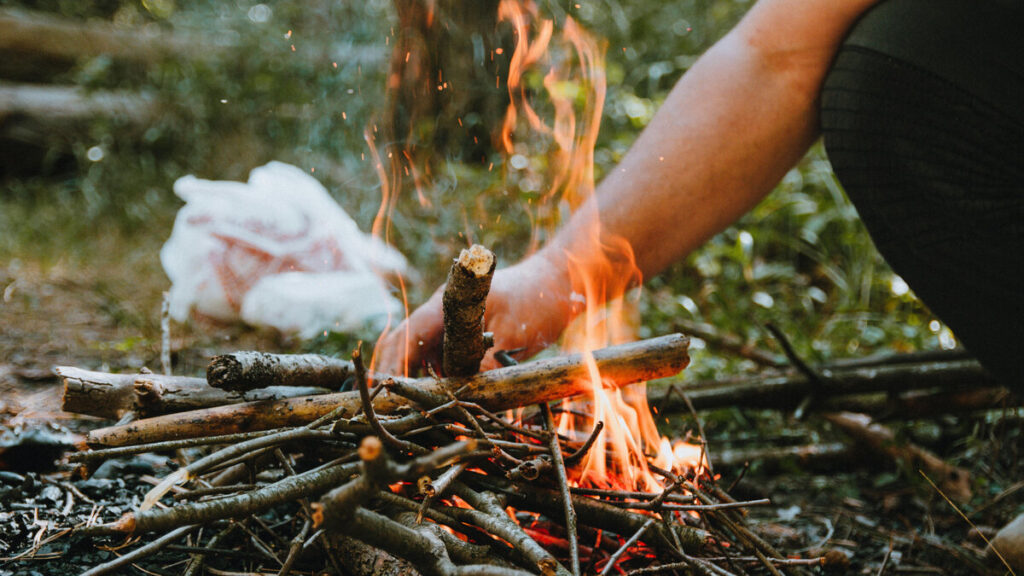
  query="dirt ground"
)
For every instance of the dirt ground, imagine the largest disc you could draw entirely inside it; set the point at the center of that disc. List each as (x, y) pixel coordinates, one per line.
(100, 310)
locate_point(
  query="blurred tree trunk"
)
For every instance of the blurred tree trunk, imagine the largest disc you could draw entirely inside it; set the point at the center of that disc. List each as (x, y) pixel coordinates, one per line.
(446, 83)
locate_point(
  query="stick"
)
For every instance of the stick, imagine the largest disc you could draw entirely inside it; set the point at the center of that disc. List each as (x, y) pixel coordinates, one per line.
(822, 455)
(361, 559)
(469, 281)
(500, 389)
(371, 416)
(491, 516)
(309, 483)
(625, 546)
(337, 507)
(563, 487)
(729, 342)
(39, 36)
(787, 390)
(114, 395)
(593, 513)
(250, 370)
(923, 403)
(165, 335)
(954, 481)
(140, 552)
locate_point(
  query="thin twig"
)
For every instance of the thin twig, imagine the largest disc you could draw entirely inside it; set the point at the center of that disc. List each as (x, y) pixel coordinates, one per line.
(578, 455)
(103, 454)
(436, 488)
(165, 334)
(563, 486)
(140, 552)
(195, 563)
(295, 549)
(371, 416)
(625, 546)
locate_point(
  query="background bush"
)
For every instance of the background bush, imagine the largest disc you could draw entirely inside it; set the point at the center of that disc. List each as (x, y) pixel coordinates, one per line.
(300, 81)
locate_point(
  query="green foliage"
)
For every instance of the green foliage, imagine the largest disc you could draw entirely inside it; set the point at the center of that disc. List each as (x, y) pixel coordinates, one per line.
(299, 82)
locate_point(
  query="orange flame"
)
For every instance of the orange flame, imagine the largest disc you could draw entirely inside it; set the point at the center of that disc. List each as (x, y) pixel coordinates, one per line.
(604, 273)
(568, 115)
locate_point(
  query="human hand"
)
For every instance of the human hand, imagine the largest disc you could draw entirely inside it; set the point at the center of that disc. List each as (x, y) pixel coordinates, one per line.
(528, 306)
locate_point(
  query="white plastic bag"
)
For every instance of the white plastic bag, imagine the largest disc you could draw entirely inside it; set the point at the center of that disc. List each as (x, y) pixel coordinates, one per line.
(231, 239)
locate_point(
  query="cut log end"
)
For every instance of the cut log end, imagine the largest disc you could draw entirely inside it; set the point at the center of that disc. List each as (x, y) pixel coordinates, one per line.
(224, 372)
(477, 260)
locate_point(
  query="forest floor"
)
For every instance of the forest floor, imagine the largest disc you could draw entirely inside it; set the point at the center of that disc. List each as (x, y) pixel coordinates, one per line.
(99, 309)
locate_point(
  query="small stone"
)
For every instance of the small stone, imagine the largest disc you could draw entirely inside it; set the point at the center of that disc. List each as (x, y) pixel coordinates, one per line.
(1010, 543)
(51, 493)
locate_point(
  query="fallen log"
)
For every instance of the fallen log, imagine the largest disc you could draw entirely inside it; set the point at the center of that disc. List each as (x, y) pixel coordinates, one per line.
(250, 370)
(786, 391)
(500, 389)
(54, 105)
(922, 403)
(824, 456)
(465, 293)
(114, 395)
(954, 481)
(34, 36)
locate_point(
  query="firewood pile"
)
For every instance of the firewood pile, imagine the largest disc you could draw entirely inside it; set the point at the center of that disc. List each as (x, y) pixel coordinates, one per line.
(402, 476)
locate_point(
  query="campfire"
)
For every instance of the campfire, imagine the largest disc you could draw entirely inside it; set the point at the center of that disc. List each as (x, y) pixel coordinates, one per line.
(553, 466)
(474, 473)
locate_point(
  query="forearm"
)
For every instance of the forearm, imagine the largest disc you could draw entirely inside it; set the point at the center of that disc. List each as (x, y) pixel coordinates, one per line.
(727, 133)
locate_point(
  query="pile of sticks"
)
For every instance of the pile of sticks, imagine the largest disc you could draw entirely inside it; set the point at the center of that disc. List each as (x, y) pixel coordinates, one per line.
(403, 476)
(417, 477)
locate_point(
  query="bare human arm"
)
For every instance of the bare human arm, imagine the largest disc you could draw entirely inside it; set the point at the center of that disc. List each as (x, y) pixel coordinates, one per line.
(729, 130)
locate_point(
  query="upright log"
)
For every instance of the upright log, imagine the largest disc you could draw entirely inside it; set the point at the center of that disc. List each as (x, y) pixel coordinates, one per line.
(465, 294)
(500, 389)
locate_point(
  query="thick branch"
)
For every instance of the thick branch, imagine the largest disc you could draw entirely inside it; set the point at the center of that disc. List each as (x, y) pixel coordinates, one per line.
(112, 395)
(306, 484)
(469, 281)
(250, 370)
(787, 390)
(500, 389)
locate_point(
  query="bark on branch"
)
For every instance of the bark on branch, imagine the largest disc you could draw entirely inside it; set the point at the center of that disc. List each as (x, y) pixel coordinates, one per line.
(112, 395)
(786, 391)
(251, 370)
(500, 389)
(469, 281)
